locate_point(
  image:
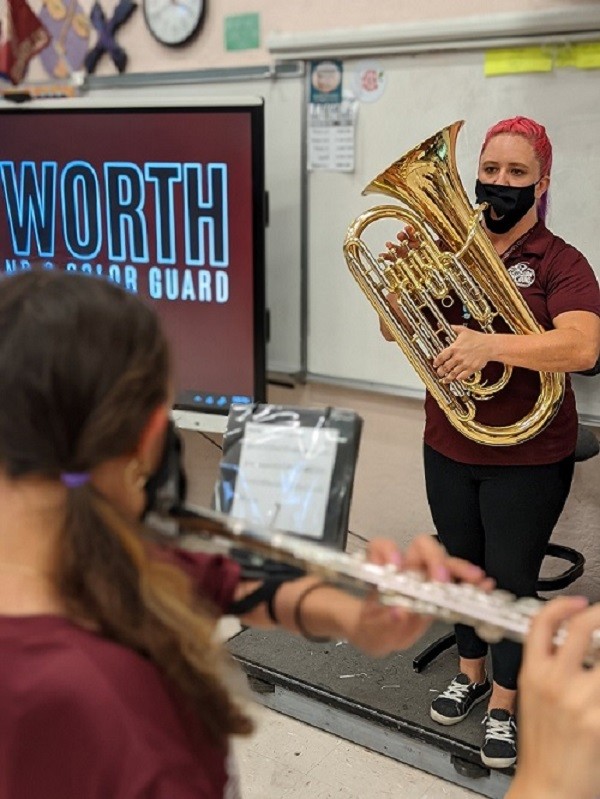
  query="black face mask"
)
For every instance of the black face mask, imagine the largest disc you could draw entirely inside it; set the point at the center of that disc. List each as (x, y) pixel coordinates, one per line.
(167, 486)
(510, 203)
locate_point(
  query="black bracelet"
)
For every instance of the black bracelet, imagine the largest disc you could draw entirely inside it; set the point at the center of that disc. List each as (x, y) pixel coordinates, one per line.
(265, 592)
(316, 639)
(271, 601)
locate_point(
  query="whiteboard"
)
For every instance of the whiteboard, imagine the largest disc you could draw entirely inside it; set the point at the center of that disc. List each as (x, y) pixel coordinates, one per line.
(422, 94)
(284, 175)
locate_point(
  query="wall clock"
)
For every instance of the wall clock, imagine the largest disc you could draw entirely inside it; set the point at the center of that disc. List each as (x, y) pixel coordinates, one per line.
(174, 22)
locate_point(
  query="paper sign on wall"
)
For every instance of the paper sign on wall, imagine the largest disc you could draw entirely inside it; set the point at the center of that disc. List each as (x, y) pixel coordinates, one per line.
(326, 81)
(331, 136)
(242, 32)
(368, 81)
(518, 60)
(584, 55)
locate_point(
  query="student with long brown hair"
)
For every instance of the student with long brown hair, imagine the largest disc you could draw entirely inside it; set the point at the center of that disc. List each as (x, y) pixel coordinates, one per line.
(111, 683)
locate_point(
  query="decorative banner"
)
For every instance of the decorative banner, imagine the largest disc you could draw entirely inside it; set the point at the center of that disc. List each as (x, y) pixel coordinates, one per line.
(22, 36)
(242, 32)
(326, 81)
(369, 81)
(70, 30)
(106, 35)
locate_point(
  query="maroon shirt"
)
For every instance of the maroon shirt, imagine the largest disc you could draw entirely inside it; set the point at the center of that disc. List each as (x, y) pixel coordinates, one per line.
(553, 278)
(84, 718)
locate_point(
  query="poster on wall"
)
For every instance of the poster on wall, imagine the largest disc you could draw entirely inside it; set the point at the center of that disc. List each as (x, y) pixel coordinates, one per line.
(326, 82)
(368, 81)
(331, 120)
(331, 136)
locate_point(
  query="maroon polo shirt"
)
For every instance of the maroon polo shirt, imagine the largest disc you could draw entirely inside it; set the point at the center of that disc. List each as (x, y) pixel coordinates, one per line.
(85, 718)
(553, 278)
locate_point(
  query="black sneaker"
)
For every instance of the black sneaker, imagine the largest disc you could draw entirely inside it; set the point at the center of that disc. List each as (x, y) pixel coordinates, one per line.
(499, 748)
(455, 703)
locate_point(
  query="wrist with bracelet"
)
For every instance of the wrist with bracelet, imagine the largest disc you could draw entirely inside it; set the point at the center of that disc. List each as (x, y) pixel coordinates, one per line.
(298, 622)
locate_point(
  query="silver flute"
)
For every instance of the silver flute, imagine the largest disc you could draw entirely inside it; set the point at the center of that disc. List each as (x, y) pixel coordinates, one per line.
(494, 615)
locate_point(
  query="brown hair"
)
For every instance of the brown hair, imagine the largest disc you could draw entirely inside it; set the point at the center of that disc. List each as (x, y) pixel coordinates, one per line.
(83, 364)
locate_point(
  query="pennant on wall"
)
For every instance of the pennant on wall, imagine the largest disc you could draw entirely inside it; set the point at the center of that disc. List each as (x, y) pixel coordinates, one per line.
(107, 29)
(69, 27)
(22, 36)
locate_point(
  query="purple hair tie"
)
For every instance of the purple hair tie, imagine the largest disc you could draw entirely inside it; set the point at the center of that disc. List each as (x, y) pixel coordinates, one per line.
(74, 479)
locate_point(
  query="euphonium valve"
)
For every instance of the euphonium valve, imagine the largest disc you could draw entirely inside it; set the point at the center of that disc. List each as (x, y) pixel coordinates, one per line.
(466, 270)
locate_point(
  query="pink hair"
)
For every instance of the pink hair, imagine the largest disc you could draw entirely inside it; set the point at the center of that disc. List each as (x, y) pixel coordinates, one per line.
(536, 135)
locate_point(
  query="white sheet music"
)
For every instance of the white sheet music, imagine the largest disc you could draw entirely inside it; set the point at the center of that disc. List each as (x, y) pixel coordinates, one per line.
(284, 477)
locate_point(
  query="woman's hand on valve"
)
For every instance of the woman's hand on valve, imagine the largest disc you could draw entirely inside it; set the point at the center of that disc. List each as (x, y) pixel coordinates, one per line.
(468, 353)
(406, 240)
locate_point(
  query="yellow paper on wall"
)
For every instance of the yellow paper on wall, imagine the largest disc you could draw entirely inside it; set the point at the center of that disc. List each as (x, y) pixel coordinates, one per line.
(516, 60)
(565, 56)
(587, 55)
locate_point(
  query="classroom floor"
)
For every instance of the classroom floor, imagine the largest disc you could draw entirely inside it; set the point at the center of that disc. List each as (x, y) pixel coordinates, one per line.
(286, 759)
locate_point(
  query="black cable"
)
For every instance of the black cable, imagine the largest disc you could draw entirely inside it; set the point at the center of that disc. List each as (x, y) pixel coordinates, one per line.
(360, 537)
(211, 440)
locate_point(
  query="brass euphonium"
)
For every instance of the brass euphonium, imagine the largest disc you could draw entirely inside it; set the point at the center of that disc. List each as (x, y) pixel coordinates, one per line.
(469, 271)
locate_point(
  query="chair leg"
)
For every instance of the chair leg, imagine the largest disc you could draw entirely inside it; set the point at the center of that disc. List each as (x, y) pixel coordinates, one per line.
(430, 653)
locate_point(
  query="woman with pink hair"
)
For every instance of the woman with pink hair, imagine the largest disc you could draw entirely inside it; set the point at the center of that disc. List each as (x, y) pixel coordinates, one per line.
(497, 506)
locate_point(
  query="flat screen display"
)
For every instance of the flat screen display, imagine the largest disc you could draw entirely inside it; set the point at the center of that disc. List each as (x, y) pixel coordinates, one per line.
(167, 202)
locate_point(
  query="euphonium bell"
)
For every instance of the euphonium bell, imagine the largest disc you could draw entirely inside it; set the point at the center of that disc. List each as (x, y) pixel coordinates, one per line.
(468, 271)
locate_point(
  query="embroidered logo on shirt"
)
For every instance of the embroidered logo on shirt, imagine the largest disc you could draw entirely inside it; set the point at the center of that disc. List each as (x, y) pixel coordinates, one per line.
(522, 274)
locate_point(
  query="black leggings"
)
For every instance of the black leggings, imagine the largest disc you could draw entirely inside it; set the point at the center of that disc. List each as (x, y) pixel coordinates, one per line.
(500, 518)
